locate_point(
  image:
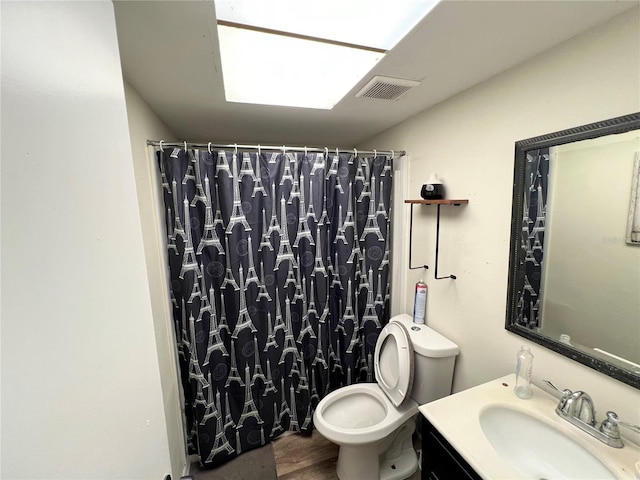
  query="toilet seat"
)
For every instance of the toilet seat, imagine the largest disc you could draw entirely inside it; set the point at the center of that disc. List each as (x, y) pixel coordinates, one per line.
(393, 362)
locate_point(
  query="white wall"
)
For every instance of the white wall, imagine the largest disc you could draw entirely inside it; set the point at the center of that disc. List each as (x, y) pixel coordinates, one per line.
(145, 125)
(469, 141)
(81, 391)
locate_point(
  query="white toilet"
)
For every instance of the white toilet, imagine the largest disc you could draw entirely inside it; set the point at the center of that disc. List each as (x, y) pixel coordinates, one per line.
(373, 422)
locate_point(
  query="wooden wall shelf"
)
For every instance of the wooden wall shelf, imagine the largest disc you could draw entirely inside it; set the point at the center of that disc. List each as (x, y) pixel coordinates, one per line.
(438, 202)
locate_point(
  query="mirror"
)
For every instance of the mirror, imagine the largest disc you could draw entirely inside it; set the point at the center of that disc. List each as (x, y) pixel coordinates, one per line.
(574, 264)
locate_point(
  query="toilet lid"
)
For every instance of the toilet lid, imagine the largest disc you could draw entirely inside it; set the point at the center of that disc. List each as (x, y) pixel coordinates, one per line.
(393, 362)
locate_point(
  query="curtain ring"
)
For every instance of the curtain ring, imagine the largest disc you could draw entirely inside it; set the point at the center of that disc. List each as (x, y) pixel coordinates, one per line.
(258, 149)
(185, 146)
(284, 150)
(355, 152)
(209, 147)
(161, 147)
(305, 150)
(337, 153)
(375, 153)
(392, 154)
(326, 152)
(235, 149)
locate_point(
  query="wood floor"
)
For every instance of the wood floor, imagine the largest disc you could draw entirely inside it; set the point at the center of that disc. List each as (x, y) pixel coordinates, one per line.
(311, 458)
(305, 458)
(289, 457)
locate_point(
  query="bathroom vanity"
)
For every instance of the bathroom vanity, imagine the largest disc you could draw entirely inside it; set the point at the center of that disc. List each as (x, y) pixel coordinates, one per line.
(440, 460)
(486, 432)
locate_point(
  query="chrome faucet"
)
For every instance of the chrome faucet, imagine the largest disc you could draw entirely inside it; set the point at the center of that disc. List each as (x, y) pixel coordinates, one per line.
(578, 409)
(579, 405)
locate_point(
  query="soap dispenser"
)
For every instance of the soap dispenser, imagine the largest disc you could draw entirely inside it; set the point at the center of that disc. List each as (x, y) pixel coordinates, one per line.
(524, 366)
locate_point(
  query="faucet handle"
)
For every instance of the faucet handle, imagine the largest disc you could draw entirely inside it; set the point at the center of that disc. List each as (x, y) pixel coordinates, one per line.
(565, 396)
(610, 424)
(565, 393)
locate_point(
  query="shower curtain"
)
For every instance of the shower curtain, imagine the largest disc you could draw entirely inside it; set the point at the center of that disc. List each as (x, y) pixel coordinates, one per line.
(533, 228)
(279, 266)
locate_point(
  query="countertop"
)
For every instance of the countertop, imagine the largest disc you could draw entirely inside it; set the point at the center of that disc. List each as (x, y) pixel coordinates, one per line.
(457, 418)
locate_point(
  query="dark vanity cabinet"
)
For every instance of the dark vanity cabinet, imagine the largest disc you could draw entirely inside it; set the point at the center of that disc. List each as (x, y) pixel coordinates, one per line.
(440, 461)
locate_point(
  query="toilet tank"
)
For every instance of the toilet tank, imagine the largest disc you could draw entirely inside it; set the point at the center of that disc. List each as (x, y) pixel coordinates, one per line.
(434, 358)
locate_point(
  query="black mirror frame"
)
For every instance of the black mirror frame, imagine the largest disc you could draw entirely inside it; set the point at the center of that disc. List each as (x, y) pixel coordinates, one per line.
(616, 125)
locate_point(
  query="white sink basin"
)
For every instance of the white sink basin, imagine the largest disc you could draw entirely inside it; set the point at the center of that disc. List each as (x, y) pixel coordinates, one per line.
(503, 437)
(537, 450)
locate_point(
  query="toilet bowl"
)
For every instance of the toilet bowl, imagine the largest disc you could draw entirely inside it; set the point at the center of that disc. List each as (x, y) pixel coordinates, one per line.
(373, 423)
(361, 419)
(360, 413)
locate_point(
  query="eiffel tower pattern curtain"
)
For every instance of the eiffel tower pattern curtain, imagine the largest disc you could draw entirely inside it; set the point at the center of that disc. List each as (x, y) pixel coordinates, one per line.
(279, 266)
(532, 238)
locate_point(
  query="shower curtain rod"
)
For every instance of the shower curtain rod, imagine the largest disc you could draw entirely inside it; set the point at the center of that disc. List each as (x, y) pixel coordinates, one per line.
(284, 148)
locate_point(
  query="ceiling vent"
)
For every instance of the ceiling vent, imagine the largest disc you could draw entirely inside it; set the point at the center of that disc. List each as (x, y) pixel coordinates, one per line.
(386, 88)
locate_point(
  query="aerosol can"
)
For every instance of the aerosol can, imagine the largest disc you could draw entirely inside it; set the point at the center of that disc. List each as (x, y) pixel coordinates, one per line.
(420, 302)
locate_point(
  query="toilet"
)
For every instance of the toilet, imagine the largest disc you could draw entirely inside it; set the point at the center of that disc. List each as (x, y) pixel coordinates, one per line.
(373, 423)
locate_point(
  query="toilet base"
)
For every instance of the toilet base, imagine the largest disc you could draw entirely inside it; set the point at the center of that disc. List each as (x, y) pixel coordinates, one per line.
(366, 462)
(399, 468)
(357, 462)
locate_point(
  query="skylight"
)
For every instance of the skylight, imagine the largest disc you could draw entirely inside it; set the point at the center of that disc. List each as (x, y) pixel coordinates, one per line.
(304, 53)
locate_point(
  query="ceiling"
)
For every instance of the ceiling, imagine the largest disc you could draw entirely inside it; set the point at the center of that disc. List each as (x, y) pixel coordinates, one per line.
(169, 53)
